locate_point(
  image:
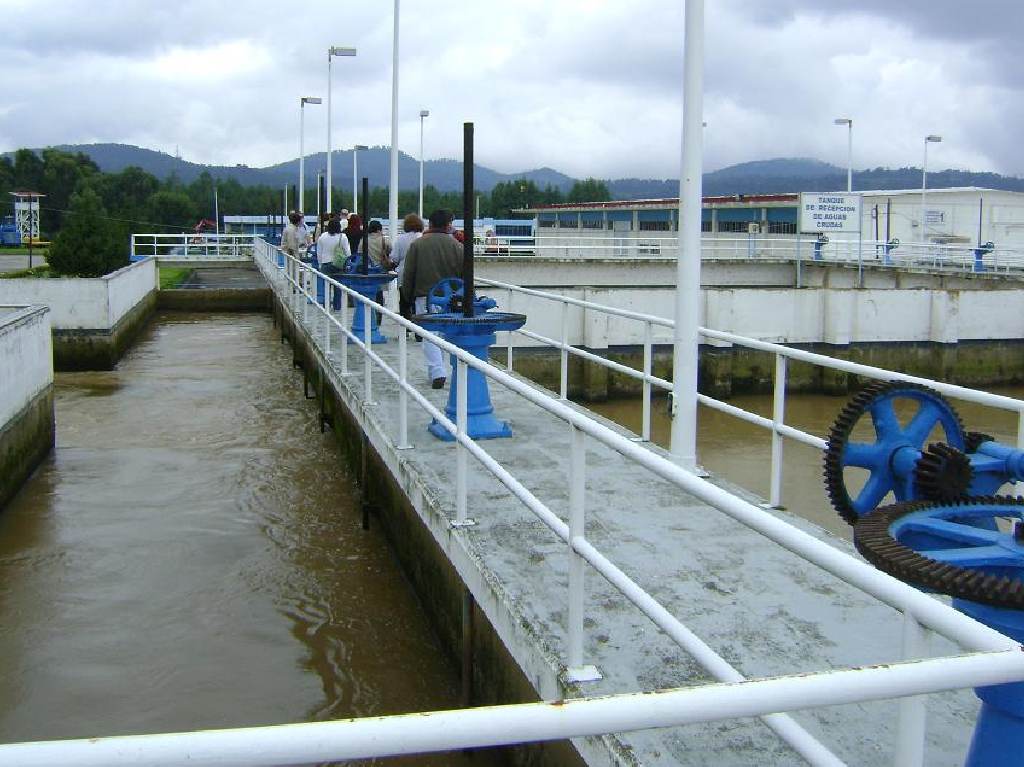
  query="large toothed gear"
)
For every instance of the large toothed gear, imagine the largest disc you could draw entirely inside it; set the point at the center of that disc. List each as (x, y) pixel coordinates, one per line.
(876, 401)
(943, 473)
(975, 439)
(970, 549)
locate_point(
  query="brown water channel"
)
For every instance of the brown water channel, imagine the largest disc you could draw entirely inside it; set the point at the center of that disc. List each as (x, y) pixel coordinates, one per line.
(191, 556)
(741, 452)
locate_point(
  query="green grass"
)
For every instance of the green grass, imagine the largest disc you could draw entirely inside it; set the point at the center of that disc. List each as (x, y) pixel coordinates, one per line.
(39, 250)
(172, 278)
(38, 271)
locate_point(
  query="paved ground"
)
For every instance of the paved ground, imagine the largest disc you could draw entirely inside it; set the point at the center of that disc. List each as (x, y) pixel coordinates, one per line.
(14, 263)
(225, 277)
(765, 610)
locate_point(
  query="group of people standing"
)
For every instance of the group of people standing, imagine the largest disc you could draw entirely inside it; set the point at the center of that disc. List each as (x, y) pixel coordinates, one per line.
(421, 259)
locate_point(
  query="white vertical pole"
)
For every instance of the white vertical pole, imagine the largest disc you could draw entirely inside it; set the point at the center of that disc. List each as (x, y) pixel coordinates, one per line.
(344, 333)
(924, 189)
(687, 314)
(393, 191)
(421, 166)
(508, 340)
(216, 211)
(403, 395)
(302, 155)
(645, 428)
(778, 418)
(368, 345)
(461, 425)
(577, 529)
(330, 178)
(849, 157)
(910, 743)
(563, 388)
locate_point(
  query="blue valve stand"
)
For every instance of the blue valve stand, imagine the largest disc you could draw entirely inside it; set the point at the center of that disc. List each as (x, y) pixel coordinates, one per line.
(999, 734)
(979, 260)
(366, 285)
(475, 335)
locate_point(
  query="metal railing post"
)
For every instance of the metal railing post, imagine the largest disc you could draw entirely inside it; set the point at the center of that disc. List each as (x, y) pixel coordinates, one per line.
(403, 395)
(563, 390)
(461, 425)
(367, 345)
(344, 333)
(778, 418)
(328, 295)
(575, 670)
(508, 337)
(303, 278)
(645, 428)
(910, 741)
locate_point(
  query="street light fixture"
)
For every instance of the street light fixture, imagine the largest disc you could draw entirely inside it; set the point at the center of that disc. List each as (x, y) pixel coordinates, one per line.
(924, 181)
(333, 51)
(355, 177)
(849, 150)
(423, 113)
(302, 146)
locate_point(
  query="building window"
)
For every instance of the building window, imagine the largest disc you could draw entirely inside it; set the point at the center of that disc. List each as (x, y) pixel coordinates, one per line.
(593, 223)
(569, 223)
(546, 223)
(781, 227)
(733, 226)
(705, 226)
(655, 226)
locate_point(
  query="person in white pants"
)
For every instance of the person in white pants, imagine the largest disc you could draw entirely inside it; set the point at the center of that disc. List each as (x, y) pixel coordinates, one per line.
(430, 259)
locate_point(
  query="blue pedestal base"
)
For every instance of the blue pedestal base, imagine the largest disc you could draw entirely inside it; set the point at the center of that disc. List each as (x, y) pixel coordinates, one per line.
(998, 739)
(476, 336)
(366, 285)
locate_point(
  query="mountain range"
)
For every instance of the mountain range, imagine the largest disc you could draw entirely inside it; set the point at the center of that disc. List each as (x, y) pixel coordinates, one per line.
(758, 177)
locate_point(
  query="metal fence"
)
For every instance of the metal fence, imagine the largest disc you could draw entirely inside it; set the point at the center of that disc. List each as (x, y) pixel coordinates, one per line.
(193, 247)
(990, 658)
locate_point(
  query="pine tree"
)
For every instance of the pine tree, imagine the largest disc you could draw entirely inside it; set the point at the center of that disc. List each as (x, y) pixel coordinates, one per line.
(89, 243)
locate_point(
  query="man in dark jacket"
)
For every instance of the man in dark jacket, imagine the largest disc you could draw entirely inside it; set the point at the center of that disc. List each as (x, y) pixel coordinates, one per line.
(432, 258)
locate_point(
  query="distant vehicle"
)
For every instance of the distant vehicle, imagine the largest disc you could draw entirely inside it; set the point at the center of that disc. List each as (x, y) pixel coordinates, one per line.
(9, 234)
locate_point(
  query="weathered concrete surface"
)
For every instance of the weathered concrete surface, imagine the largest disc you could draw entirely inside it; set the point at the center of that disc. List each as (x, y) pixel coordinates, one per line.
(26, 394)
(219, 289)
(764, 609)
(101, 348)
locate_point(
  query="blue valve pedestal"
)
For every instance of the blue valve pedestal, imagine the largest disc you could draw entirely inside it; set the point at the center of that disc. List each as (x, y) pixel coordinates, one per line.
(999, 733)
(366, 285)
(475, 335)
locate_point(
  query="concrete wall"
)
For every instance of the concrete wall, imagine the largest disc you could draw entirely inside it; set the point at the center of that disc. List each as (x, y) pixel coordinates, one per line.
(93, 319)
(785, 315)
(85, 303)
(26, 395)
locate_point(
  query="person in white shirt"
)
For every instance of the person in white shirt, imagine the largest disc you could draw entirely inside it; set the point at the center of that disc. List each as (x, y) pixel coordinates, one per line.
(290, 237)
(332, 249)
(412, 227)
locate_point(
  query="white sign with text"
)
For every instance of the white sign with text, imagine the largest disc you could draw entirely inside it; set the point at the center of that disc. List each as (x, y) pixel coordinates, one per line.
(830, 212)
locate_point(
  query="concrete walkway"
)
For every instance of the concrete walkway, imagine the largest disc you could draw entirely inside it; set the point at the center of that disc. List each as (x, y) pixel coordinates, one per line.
(765, 610)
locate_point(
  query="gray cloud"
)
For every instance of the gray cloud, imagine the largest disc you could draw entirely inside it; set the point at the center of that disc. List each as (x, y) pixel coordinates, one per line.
(586, 86)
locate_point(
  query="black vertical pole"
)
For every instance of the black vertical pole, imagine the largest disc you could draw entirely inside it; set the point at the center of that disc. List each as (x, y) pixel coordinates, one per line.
(30, 227)
(467, 220)
(981, 207)
(320, 199)
(888, 218)
(366, 225)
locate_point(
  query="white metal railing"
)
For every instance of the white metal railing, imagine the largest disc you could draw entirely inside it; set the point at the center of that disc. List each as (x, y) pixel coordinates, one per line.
(991, 657)
(788, 247)
(193, 247)
(782, 355)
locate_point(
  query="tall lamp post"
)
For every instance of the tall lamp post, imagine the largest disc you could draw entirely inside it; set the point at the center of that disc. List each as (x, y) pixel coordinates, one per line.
(355, 177)
(924, 182)
(423, 113)
(849, 150)
(333, 51)
(302, 146)
(393, 184)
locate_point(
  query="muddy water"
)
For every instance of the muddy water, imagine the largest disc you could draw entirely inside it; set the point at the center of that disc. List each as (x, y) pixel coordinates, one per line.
(191, 556)
(741, 452)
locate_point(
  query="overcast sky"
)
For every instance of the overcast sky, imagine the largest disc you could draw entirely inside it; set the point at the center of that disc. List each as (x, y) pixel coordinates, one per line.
(584, 86)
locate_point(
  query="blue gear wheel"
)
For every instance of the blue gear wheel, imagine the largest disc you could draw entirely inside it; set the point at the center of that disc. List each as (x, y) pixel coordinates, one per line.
(877, 401)
(955, 548)
(442, 292)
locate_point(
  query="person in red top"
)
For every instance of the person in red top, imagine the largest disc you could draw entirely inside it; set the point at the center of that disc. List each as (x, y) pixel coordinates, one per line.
(354, 232)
